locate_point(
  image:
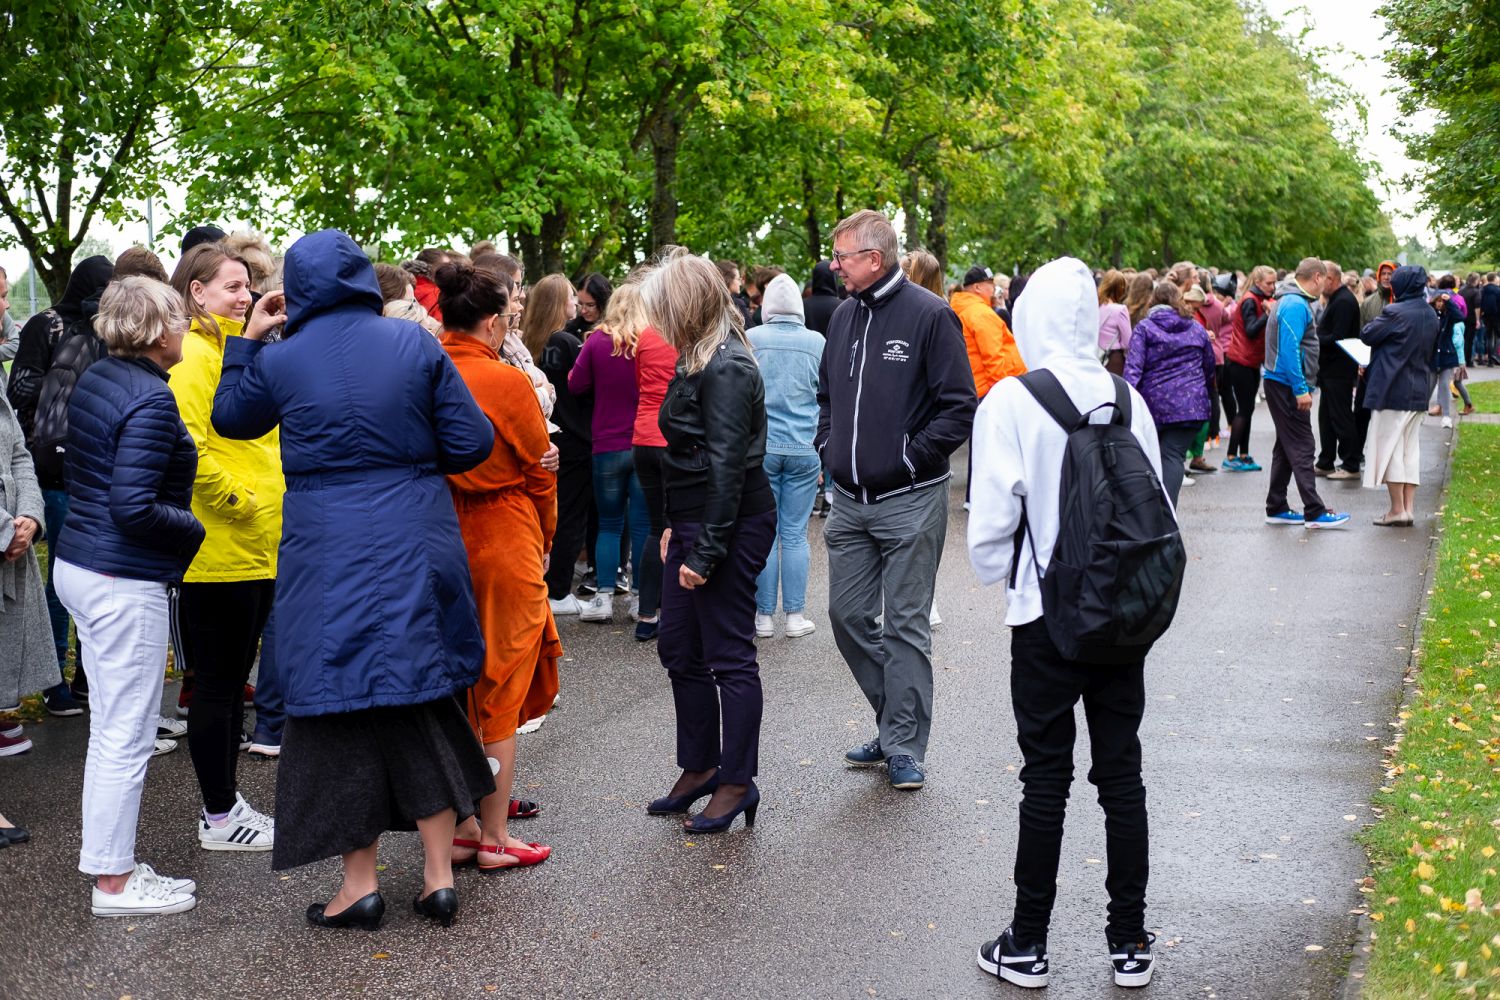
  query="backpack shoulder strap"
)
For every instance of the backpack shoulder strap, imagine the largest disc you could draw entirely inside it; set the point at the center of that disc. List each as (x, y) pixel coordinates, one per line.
(1122, 400)
(1053, 398)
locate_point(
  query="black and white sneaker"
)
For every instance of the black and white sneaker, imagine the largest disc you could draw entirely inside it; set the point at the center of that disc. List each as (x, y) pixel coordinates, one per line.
(245, 830)
(1132, 961)
(1007, 960)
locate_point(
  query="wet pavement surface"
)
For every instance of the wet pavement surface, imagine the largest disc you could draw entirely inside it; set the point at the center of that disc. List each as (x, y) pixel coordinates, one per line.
(1268, 703)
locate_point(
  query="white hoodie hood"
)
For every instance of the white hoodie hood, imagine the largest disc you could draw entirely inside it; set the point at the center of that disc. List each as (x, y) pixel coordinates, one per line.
(1018, 447)
(781, 297)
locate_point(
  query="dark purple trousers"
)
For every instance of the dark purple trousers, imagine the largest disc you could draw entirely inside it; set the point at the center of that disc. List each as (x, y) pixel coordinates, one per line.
(707, 644)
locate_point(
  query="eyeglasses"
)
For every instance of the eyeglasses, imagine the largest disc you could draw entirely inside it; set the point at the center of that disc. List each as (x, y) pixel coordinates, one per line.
(511, 319)
(838, 257)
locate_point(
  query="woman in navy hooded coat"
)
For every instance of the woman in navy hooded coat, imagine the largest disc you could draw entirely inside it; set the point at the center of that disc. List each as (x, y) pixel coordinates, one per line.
(376, 625)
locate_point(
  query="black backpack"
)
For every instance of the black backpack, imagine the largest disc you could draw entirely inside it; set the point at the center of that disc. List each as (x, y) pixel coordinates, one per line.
(77, 349)
(1111, 588)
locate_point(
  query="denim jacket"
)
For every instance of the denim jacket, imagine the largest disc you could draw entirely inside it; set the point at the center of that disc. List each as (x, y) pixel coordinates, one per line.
(789, 354)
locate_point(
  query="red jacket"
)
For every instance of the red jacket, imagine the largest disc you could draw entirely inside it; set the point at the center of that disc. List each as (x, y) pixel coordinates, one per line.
(427, 294)
(1247, 338)
(655, 364)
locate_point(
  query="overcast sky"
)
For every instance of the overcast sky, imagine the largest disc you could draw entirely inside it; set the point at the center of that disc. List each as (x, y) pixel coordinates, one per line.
(1351, 31)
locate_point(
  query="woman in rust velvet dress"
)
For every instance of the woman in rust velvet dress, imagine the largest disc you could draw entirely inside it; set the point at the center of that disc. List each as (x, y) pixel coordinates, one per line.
(507, 511)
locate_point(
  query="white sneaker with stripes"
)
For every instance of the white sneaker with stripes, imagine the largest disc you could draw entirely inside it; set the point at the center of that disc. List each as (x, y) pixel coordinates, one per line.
(244, 830)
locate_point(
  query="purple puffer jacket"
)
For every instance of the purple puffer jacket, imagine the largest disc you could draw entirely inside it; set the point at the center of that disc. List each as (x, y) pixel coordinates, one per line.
(1171, 363)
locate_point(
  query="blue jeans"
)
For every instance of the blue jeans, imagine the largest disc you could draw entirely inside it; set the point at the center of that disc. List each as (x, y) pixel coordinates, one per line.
(55, 510)
(794, 483)
(614, 482)
(270, 703)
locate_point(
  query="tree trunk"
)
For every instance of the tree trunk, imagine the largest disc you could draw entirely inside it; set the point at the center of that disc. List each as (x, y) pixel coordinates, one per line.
(666, 136)
(554, 229)
(814, 230)
(55, 267)
(910, 192)
(937, 223)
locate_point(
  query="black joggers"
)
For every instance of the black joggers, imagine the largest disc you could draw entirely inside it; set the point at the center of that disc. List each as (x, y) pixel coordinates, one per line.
(216, 631)
(1044, 687)
(648, 573)
(1238, 390)
(575, 497)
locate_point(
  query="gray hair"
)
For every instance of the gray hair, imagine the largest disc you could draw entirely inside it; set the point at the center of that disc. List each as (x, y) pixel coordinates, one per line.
(872, 231)
(134, 312)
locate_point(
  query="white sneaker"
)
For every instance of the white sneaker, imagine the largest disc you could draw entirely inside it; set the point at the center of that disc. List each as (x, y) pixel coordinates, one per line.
(635, 609)
(798, 626)
(1188, 481)
(245, 830)
(164, 746)
(145, 893)
(599, 608)
(933, 618)
(171, 729)
(175, 884)
(569, 605)
(268, 750)
(533, 725)
(765, 626)
(1447, 423)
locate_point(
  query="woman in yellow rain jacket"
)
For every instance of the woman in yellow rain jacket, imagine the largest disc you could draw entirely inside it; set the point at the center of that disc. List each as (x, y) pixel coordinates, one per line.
(227, 592)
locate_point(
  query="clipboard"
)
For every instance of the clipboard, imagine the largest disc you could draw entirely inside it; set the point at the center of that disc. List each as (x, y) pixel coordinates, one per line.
(1356, 349)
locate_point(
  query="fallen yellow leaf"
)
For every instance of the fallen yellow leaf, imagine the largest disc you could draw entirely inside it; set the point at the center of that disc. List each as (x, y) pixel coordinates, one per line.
(381, 955)
(1425, 871)
(1411, 926)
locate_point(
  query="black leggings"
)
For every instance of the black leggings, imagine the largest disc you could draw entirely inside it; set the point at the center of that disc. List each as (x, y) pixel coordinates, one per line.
(216, 631)
(575, 497)
(1241, 383)
(648, 573)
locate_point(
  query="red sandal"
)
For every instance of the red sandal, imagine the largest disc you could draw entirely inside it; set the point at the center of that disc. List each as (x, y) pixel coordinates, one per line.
(523, 809)
(531, 854)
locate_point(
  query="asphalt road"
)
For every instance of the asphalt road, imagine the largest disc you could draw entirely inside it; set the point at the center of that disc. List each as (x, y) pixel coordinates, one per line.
(1268, 704)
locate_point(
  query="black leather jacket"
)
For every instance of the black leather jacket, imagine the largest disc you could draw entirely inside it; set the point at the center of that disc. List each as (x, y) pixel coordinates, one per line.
(715, 426)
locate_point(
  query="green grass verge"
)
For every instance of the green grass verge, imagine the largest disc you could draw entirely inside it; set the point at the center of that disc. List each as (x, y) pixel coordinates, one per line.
(1436, 849)
(1486, 396)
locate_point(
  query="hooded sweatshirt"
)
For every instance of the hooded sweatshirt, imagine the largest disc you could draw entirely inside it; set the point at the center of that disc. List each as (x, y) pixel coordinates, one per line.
(1292, 347)
(1018, 448)
(819, 306)
(1403, 338)
(789, 355)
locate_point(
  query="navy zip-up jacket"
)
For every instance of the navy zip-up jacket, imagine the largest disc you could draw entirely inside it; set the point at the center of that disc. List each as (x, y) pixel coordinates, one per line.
(895, 391)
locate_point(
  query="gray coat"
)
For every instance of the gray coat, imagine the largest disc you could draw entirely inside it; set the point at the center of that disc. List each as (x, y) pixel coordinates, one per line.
(28, 658)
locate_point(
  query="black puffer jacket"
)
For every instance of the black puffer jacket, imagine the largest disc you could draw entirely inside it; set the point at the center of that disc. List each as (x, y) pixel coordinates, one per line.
(38, 338)
(713, 468)
(131, 464)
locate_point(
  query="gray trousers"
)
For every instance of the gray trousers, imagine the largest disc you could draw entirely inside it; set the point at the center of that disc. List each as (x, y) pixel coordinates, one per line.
(883, 558)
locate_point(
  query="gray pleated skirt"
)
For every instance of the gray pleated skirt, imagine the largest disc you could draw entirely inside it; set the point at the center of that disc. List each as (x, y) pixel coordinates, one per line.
(345, 779)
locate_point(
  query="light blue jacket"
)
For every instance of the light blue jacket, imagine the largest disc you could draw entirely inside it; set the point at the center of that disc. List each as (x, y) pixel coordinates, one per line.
(1292, 348)
(789, 355)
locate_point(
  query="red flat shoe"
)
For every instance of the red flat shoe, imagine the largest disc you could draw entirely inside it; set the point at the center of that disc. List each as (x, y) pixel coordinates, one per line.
(531, 854)
(523, 809)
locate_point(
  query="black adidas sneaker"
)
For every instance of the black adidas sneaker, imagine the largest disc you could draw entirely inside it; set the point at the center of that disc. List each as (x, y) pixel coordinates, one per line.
(1005, 959)
(1132, 961)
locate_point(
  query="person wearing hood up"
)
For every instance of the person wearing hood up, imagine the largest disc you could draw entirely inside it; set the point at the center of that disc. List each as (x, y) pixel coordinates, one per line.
(36, 345)
(1403, 339)
(1381, 297)
(1171, 363)
(1019, 454)
(376, 623)
(819, 306)
(789, 355)
(1291, 369)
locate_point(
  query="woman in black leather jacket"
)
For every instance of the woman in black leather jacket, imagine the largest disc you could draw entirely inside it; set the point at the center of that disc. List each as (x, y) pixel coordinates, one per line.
(722, 520)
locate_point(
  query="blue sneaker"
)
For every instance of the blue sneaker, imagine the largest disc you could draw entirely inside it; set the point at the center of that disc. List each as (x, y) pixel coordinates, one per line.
(1286, 517)
(1248, 464)
(866, 755)
(1328, 519)
(1231, 464)
(905, 773)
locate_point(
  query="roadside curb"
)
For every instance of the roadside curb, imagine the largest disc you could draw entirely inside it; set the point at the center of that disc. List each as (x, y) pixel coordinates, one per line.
(1364, 927)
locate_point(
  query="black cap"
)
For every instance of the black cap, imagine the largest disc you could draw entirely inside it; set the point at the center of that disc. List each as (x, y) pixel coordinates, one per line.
(201, 234)
(976, 274)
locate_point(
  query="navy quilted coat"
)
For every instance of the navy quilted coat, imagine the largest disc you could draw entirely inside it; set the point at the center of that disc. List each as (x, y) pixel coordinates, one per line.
(130, 468)
(374, 606)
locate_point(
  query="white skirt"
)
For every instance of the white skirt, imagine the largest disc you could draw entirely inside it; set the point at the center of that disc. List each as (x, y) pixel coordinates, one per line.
(1393, 448)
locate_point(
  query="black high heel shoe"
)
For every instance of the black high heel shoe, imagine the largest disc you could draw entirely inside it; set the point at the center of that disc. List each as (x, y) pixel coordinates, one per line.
(439, 904)
(749, 805)
(364, 913)
(668, 805)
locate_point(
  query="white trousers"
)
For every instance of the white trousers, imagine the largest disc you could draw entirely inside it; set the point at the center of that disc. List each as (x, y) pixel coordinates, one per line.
(122, 629)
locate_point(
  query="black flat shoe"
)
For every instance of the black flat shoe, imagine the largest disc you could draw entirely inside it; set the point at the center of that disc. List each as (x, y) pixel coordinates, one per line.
(439, 904)
(363, 913)
(669, 805)
(14, 834)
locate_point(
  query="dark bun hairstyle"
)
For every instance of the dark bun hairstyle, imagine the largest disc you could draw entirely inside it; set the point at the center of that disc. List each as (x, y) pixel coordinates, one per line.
(467, 294)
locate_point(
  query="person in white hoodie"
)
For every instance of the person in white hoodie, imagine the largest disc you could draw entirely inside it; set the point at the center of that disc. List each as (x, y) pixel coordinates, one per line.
(1018, 452)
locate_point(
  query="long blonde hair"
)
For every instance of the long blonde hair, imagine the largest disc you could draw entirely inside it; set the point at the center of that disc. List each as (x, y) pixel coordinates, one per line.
(546, 312)
(688, 303)
(922, 268)
(624, 319)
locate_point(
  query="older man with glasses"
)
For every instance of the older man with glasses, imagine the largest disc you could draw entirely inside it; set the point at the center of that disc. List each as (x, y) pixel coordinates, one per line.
(895, 399)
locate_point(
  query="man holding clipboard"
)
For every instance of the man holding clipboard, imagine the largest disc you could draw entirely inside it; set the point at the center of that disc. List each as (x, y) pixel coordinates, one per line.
(1337, 374)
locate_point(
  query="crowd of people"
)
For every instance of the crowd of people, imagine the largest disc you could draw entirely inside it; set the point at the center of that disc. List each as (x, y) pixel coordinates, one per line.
(384, 483)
